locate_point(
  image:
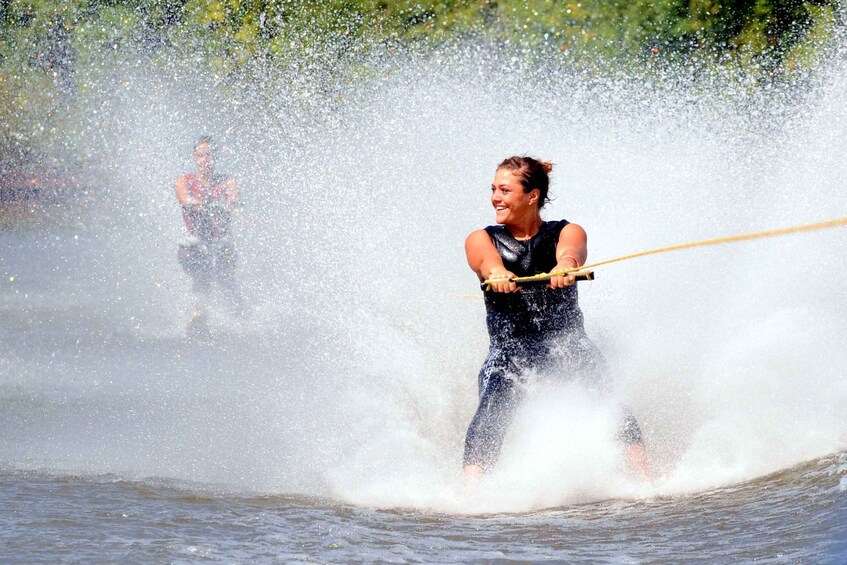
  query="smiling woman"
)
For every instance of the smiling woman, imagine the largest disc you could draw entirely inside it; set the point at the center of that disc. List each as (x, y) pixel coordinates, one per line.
(519, 191)
(532, 330)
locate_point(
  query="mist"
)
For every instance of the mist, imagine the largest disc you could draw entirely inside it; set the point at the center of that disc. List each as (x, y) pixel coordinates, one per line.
(354, 377)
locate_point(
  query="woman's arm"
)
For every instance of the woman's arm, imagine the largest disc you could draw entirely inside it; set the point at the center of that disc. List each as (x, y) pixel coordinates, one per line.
(571, 251)
(182, 195)
(486, 262)
(233, 195)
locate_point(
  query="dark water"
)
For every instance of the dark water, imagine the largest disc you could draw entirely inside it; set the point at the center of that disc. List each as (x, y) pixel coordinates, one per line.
(795, 516)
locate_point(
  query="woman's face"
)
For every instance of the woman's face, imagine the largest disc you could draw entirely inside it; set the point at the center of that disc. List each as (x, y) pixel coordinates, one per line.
(203, 157)
(511, 203)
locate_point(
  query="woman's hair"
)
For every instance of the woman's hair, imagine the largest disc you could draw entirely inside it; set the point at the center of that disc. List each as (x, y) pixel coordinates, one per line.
(206, 139)
(532, 174)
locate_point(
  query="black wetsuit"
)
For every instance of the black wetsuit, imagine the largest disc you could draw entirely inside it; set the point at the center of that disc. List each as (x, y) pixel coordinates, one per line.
(537, 329)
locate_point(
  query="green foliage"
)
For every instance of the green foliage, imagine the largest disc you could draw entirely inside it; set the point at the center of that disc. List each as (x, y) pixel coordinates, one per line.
(50, 48)
(231, 33)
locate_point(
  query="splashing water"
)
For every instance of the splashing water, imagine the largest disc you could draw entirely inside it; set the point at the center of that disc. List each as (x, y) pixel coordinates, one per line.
(356, 376)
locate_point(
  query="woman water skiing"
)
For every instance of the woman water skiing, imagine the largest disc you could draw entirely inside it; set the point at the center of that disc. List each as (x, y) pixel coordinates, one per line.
(535, 329)
(209, 255)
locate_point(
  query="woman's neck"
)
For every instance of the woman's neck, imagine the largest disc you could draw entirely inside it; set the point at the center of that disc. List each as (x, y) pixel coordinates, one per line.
(525, 229)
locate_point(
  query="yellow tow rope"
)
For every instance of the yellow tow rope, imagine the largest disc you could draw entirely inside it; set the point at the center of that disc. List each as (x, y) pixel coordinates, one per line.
(584, 272)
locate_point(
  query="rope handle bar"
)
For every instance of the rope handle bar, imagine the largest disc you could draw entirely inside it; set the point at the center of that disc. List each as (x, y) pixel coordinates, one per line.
(541, 278)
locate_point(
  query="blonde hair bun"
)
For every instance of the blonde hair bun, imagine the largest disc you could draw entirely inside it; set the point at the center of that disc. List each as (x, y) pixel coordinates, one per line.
(547, 166)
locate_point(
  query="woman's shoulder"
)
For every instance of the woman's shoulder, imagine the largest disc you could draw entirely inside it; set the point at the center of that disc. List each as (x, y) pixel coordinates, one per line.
(573, 233)
(563, 228)
(184, 180)
(487, 231)
(554, 227)
(478, 237)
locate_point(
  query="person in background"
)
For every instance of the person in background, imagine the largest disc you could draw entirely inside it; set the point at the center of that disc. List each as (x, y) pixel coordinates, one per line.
(536, 329)
(209, 255)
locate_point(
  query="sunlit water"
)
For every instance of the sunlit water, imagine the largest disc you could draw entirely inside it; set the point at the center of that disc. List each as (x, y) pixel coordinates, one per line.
(329, 425)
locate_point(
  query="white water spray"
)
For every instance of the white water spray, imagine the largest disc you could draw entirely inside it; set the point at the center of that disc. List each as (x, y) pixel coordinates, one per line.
(356, 377)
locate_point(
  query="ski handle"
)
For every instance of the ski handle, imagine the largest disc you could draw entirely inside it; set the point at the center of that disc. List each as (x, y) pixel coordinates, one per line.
(540, 279)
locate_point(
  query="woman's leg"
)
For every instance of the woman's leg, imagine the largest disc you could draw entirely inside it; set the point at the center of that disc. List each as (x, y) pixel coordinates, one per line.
(499, 397)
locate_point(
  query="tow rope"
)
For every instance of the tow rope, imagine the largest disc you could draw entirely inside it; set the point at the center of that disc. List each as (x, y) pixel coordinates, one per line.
(584, 272)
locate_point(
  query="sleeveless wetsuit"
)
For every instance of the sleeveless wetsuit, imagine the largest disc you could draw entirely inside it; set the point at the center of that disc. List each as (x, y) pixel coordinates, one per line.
(537, 329)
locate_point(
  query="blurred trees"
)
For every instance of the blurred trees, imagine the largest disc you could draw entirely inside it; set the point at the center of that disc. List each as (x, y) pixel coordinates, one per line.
(48, 46)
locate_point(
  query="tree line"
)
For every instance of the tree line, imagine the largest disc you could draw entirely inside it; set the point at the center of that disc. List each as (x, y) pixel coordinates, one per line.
(46, 44)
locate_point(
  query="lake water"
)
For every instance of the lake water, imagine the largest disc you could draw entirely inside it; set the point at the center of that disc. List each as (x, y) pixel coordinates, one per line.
(794, 516)
(328, 426)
